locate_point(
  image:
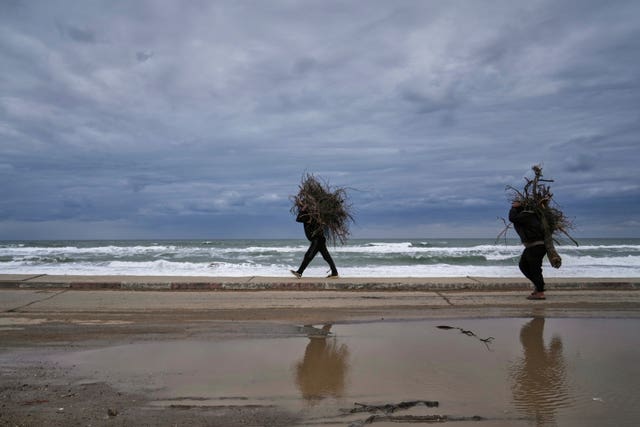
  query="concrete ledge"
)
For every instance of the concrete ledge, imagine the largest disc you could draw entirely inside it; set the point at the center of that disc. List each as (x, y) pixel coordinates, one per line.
(182, 283)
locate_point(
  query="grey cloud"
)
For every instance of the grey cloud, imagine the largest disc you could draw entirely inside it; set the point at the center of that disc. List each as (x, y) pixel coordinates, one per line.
(580, 163)
(203, 116)
(144, 56)
(446, 102)
(80, 35)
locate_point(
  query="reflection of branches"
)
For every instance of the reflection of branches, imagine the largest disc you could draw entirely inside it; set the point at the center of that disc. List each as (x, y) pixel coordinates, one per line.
(468, 333)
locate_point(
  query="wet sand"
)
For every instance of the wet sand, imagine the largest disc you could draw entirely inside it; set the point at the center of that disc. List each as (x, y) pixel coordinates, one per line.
(263, 358)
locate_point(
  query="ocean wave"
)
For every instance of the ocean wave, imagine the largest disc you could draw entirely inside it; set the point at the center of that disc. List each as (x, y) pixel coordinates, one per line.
(225, 269)
(396, 258)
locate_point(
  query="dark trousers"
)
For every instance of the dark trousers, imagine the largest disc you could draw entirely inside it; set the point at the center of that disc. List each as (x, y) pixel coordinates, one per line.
(318, 244)
(531, 265)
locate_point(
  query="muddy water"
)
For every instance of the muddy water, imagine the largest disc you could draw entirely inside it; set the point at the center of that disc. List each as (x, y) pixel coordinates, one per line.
(566, 372)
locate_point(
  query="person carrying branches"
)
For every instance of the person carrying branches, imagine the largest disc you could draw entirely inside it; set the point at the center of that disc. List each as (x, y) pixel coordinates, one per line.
(324, 213)
(535, 222)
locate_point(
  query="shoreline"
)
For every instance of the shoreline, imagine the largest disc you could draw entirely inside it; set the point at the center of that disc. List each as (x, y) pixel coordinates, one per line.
(263, 283)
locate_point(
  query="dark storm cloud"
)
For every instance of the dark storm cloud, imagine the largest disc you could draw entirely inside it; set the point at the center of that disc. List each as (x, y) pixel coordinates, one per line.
(143, 56)
(78, 34)
(152, 119)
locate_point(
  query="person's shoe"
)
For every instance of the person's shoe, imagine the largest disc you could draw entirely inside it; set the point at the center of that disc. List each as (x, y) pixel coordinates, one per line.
(333, 276)
(536, 296)
(295, 273)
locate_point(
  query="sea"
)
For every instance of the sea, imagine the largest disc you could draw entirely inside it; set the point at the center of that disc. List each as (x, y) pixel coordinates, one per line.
(357, 258)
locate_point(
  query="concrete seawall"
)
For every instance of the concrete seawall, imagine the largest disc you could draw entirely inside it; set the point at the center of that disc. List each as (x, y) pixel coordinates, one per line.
(256, 283)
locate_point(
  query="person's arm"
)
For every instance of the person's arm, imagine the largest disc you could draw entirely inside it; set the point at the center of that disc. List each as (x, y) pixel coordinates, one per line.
(303, 216)
(514, 212)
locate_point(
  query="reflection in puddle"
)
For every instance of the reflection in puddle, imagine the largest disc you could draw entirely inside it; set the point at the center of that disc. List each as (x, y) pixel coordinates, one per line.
(323, 369)
(538, 378)
(568, 372)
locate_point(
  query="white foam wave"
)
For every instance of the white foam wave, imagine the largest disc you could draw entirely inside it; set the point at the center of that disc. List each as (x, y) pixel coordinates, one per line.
(498, 250)
(92, 250)
(355, 259)
(226, 269)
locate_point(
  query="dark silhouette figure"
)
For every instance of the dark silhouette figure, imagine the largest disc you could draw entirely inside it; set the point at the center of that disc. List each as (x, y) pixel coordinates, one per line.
(539, 377)
(323, 370)
(314, 233)
(529, 228)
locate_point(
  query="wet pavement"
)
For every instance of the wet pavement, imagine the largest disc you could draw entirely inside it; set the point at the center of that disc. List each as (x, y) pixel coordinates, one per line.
(551, 371)
(319, 357)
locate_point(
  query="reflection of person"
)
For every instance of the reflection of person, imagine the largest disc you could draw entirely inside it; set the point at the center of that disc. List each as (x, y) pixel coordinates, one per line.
(539, 385)
(531, 232)
(322, 371)
(315, 234)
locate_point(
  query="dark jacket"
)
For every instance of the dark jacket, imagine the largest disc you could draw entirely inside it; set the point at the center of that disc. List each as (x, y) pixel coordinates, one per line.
(527, 225)
(312, 229)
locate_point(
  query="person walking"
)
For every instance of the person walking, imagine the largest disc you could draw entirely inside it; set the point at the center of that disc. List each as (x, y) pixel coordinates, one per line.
(315, 234)
(531, 233)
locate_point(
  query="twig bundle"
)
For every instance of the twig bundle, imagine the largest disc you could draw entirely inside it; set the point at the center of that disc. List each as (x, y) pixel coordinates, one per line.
(536, 196)
(327, 206)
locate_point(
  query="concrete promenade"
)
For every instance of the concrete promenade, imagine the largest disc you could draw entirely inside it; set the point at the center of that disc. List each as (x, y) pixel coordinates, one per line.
(256, 283)
(308, 299)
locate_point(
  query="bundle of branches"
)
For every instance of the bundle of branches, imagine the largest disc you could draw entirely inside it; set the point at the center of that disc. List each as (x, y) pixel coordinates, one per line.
(327, 206)
(536, 196)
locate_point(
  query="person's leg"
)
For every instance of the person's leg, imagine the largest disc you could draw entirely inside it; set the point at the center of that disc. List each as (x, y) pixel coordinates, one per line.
(537, 254)
(327, 256)
(524, 264)
(314, 247)
(531, 266)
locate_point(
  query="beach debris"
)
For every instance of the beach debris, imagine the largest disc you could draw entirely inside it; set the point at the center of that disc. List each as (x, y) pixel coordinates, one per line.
(326, 205)
(485, 341)
(112, 412)
(386, 413)
(383, 413)
(392, 407)
(536, 196)
(34, 402)
(414, 419)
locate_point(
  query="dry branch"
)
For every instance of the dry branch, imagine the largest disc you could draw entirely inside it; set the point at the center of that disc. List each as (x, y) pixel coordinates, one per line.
(469, 333)
(536, 196)
(389, 408)
(418, 419)
(327, 206)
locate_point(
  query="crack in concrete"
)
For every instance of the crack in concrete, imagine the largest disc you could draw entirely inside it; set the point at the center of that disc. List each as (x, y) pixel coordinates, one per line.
(33, 277)
(16, 309)
(444, 298)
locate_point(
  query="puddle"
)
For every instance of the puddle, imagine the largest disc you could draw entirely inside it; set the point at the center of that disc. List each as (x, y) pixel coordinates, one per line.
(569, 372)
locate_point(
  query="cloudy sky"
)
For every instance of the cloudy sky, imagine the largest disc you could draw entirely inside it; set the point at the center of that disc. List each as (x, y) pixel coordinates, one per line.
(197, 119)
